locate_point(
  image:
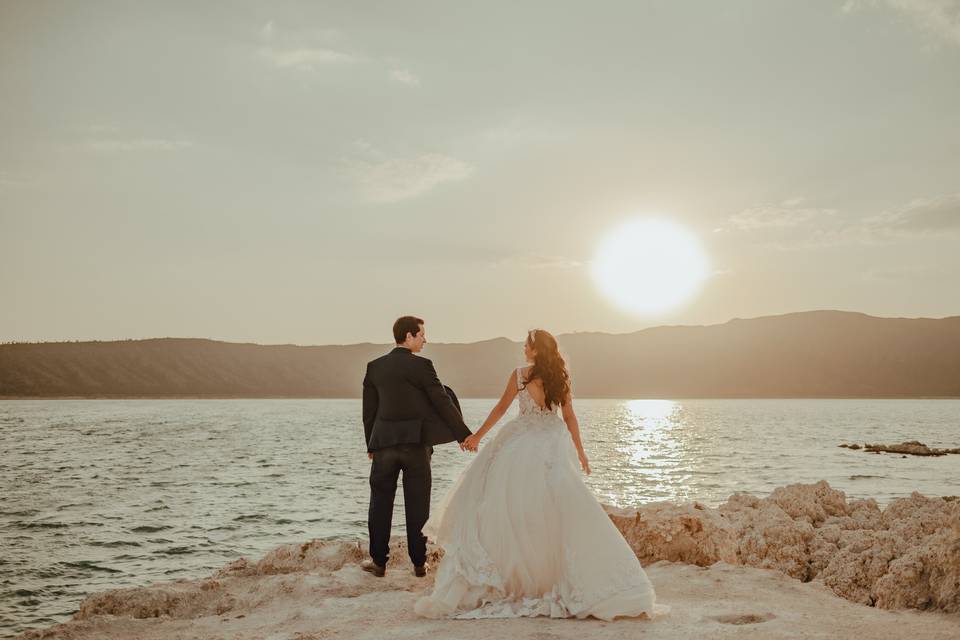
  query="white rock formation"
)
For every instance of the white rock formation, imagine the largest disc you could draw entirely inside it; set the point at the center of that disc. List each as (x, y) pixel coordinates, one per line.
(753, 568)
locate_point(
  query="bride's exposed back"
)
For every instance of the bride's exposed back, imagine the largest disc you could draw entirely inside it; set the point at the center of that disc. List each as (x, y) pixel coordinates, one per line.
(521, 532)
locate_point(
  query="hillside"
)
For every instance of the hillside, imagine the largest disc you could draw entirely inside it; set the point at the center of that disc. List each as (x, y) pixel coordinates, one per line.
(810, 354)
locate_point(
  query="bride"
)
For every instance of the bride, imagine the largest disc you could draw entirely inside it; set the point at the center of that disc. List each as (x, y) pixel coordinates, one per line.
(521, 532)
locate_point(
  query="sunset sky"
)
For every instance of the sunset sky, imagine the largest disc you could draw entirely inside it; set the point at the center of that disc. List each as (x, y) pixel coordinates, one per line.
(282, 172)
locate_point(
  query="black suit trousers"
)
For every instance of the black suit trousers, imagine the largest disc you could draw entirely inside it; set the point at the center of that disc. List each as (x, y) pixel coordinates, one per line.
(414, 461)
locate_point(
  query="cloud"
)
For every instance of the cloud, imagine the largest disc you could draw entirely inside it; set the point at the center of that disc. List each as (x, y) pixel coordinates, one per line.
(304, 59)
(267, 31)
(787, 227)
(404, 76)
(505, 136)
(790, 226)
(941, 17)
(385, 179)
(137, 144)
(313, 50)
(303, 50)
(786, 214)
(920, 216)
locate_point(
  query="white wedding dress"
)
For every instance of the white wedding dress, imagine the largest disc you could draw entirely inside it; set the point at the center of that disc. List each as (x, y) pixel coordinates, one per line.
(524, 536)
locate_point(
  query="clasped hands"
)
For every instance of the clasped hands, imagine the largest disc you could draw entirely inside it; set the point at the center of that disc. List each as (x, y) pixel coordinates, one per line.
(470, 443)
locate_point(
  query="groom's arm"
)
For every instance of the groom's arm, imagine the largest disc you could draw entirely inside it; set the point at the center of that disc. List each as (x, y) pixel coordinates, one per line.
(442, 402)
(371, 402)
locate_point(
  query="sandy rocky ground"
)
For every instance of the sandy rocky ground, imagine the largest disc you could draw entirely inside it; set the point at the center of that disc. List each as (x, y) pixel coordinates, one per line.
(803, 562)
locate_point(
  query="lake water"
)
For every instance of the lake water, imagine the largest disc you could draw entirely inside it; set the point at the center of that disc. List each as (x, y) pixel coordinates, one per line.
(98, 494)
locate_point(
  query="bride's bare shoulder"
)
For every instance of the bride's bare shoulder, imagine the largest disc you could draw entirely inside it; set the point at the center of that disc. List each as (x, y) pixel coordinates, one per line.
(524, 372)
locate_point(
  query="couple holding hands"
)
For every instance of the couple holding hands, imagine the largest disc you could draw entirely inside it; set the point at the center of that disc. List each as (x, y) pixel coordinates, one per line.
(522, 533)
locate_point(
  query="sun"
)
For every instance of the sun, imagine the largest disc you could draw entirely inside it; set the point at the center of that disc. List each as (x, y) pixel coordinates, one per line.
(649, 265)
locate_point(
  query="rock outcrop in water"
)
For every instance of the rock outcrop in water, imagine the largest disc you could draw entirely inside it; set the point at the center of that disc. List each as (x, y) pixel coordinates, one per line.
(904, 556)
(912, 447)
(758, 567)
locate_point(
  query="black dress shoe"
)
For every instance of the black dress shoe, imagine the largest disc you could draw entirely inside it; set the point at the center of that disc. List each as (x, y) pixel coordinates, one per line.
(420, 571)
(372, 567)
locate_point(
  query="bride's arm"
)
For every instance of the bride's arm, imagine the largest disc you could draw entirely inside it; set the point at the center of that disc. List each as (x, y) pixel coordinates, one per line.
(496, 413)
(574, 428)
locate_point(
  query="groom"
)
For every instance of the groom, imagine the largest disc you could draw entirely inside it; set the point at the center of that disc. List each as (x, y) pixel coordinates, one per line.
(406, 411)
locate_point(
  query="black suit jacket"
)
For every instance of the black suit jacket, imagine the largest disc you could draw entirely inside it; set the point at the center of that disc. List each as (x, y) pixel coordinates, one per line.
(405, 403)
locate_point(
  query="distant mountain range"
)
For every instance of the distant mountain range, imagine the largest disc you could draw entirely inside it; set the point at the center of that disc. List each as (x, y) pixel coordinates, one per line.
(816, 354)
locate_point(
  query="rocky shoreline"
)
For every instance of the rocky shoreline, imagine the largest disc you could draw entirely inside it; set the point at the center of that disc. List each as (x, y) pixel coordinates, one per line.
(776, 563)
(906, 555)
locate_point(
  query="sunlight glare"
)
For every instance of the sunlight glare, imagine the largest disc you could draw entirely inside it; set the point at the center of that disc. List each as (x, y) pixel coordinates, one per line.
(649, 265)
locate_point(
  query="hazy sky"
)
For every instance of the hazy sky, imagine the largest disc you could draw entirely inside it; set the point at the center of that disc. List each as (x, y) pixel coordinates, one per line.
(282, 172)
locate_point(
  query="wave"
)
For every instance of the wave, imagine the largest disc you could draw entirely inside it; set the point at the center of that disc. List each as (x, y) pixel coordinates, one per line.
(90, 564)
(115, 543)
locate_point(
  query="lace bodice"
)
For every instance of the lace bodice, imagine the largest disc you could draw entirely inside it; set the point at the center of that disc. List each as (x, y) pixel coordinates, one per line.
(527, 404)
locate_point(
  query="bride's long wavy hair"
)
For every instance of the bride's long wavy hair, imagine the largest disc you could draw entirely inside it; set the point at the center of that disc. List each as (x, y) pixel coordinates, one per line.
(549, 367)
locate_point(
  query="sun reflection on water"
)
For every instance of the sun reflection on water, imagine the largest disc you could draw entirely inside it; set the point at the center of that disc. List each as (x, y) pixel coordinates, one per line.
(651, 454)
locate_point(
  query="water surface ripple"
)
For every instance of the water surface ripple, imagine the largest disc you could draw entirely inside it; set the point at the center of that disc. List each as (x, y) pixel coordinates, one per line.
(103, 494)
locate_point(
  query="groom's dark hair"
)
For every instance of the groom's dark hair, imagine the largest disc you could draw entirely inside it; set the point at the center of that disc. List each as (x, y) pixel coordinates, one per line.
(405, 325)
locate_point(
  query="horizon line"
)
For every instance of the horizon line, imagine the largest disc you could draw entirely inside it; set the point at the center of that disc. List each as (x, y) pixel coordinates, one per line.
(357, 344)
